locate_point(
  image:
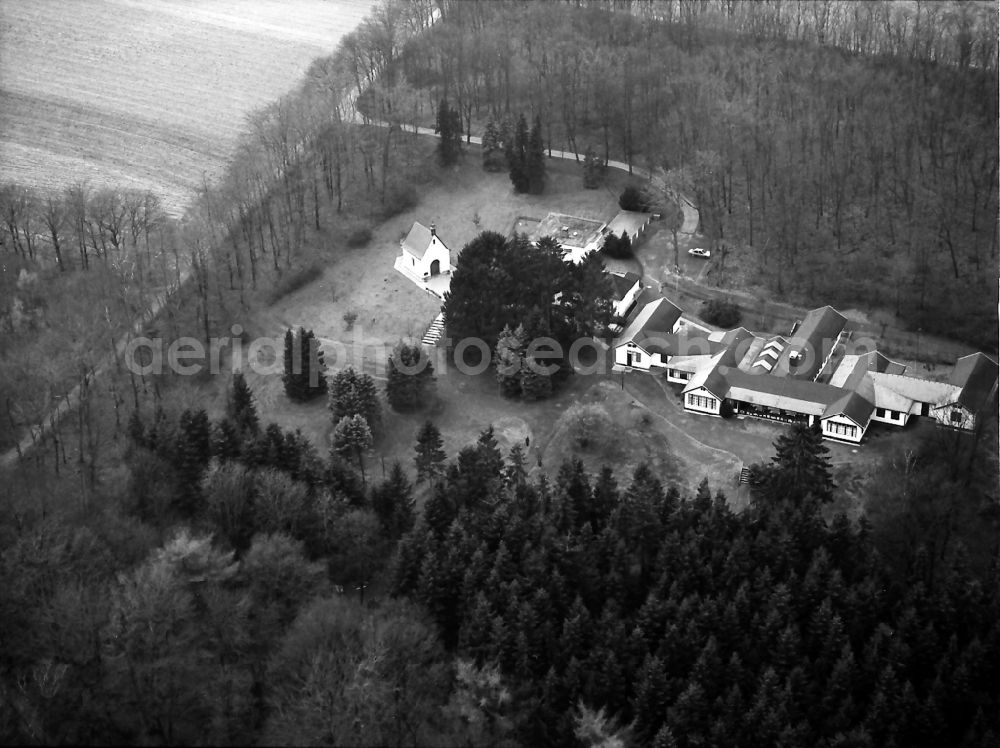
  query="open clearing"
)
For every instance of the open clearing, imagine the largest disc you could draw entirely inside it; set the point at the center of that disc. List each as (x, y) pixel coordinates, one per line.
(389, 307)
(149, 94)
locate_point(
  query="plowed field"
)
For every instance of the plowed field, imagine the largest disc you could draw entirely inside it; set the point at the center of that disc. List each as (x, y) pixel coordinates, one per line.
(148, 93)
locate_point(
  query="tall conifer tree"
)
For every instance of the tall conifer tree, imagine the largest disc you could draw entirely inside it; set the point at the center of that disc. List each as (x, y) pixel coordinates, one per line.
(305, 371)
(534, 159)
(430, 455)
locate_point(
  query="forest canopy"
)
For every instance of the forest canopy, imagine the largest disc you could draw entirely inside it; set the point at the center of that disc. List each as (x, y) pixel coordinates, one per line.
(197, 579)
(851, 147)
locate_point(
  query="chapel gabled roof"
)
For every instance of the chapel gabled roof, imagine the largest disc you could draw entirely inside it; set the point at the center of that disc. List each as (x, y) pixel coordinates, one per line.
(420, 239)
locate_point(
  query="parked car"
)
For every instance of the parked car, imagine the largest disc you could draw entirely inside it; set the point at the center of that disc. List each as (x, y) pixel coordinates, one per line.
(699, 252)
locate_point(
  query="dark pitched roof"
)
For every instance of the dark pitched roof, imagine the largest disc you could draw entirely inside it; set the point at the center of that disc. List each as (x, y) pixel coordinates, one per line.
(712, 378)
(716, 383)
(735, 344)
(665, 315)
(852, 405)
(813, 338)
(623, 283)
(678, 344)
(976, 374)
(655, 318)
(797, 395)
(796, 389)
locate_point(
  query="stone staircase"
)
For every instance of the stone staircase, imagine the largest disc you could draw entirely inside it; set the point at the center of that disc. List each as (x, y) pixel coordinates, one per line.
(435, 331)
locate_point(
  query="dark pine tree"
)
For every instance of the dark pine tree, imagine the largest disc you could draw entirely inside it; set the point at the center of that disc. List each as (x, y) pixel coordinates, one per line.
(605, 499)
(267, 450)
(535, 159)
(191, 455)
(491, 459)
(410, 376)
(517, 157)
(619, 247)
(392, 501)
(516, 472)
(800, 468)
(226, 440)
(240, 408)
(343, 480)
(439, 511)
(354, 394)
(449, 127)
(651, 699)
(305, 375)
(430, 454)
(493, 148)
(482, 286)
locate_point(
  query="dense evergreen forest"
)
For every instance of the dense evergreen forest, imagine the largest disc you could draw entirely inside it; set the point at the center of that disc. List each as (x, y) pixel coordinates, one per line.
(849, 149)
(185, 580)
(221, 598)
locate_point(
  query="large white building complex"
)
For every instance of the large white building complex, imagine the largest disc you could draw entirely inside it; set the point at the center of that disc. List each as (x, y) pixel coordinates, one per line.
(818, 373)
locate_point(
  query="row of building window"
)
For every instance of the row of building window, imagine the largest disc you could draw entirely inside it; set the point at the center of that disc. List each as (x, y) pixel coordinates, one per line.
(685, 375)
(841, 429)
(700, 401)
(884, 413)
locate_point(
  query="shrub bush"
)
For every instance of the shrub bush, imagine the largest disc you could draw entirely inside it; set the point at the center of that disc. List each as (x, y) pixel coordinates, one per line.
(619, 247)
(590, 428)
(295, 279)
(721, 313)
(359, 237)
(643, 419)
(633, 199)
(399, 197)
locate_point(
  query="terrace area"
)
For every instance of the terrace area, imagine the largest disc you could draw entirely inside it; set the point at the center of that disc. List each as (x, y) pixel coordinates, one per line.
(571, 232)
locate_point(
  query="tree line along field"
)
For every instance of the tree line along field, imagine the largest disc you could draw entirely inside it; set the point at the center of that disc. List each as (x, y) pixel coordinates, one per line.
(147, 95)
(113, 114)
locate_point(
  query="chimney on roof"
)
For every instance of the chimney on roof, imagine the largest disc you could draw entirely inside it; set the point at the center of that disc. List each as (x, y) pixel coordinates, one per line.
(433, 230)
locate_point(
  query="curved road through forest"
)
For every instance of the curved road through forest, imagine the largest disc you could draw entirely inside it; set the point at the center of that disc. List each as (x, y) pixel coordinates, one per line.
(689, 225)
